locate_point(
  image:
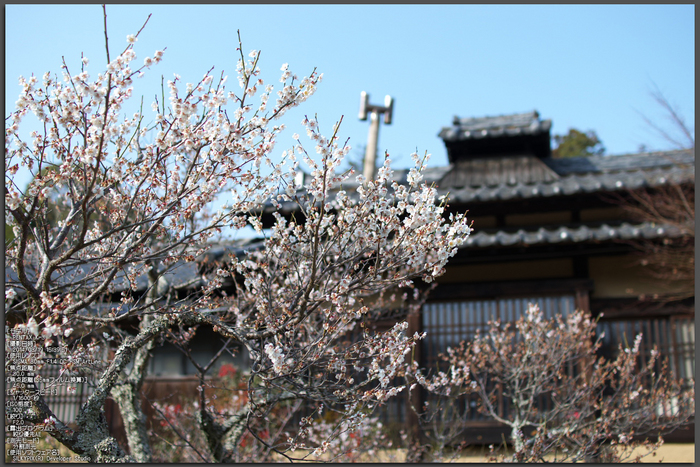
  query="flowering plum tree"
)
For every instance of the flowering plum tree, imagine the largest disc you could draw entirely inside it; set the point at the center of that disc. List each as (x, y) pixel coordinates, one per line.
(564, 402)
(134, 210)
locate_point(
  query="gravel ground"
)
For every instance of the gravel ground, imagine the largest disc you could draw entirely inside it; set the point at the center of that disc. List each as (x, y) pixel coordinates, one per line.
(668, 453)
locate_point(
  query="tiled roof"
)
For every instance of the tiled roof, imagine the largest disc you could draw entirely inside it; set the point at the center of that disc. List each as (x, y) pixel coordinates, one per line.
(565, 176)
(494, 171)
(179, 275)
(482, 127)
(637, 161)
(571, 184)
(525, 177)
(563, 234)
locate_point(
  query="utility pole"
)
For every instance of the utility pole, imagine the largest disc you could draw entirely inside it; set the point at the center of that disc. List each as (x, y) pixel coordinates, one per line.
(374, 111)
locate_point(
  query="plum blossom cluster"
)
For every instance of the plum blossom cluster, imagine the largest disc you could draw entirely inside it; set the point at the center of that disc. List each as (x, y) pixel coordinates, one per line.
(276, 357)
(198, 153)
(119, 201)
(302, 295)
(44, 331)
(328, 441)
(550, 375)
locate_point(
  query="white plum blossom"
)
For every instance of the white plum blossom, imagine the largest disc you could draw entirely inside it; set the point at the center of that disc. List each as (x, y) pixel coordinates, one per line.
(276, 357)
(33, 326)
(136, 194)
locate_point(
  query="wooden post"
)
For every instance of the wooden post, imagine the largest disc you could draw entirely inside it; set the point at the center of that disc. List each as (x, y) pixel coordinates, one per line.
(414, 398)
(581, 300)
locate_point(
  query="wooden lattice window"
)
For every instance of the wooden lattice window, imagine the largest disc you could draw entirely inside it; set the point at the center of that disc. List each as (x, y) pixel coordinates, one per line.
(65, 403)
(673, 336)
(449, 323)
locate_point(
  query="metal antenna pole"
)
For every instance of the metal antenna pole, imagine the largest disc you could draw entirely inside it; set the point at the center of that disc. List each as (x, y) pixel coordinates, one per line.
(370, 162)
(374, 111)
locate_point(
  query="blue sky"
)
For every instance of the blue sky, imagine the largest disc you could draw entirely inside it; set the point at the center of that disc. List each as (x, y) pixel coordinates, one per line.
(588, 67)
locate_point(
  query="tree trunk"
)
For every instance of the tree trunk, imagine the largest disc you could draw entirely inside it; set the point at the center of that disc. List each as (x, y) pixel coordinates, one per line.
(223, 439)
(128, 397)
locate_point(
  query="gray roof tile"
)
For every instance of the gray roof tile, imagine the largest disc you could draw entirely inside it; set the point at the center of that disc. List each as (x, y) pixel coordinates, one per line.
(180, 274)
(564, 234)
(584, 175)
(494, 126)
(605, 164)
(493, 171)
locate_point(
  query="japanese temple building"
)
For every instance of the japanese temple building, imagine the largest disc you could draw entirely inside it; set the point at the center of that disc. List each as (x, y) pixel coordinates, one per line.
(549, 231)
